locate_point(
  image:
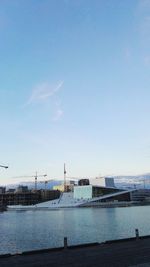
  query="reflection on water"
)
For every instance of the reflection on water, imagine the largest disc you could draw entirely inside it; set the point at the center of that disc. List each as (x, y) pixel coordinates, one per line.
(28, 230)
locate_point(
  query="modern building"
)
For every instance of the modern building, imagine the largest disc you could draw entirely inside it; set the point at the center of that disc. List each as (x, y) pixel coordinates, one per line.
(91, 195)
(83, 182)
(90, 191)
(49, 194)
(2, 190)
(11, 190)
(27, 197)
(142, 195)
(21, 189)
(68, 187)
(103, 181)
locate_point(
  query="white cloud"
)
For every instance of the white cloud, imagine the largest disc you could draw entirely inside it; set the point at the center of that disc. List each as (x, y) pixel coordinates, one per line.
(43, 92)
(58, 113)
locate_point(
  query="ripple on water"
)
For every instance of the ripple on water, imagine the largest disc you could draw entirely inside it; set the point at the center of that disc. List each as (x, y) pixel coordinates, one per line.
(29, 230)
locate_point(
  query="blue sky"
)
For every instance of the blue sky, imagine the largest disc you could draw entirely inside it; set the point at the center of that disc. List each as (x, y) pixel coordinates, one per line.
(74, 87)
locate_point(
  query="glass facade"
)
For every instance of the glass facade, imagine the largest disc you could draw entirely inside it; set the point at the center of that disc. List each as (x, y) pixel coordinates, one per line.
(83, 192)
(101, 191)
(89, 191)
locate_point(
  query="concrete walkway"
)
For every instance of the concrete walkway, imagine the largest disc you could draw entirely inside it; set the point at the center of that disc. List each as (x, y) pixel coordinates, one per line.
(128, 253)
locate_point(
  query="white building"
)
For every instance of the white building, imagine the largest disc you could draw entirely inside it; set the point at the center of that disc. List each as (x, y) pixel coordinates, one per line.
(103, 181)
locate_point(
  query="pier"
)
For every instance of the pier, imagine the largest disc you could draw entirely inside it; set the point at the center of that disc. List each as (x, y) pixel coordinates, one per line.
(130, 252)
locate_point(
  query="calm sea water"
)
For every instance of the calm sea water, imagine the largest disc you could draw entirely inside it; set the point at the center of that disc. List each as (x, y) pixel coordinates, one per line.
(29, 230)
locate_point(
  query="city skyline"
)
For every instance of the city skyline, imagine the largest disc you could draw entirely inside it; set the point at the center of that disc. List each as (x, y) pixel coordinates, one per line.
(74, 87)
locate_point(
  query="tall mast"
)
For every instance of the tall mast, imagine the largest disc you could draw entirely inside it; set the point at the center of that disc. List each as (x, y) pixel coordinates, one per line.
(36, 181)
(64, 177)
(36, 178)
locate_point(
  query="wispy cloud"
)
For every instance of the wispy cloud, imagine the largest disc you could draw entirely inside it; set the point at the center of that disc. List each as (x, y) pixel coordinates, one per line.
(43, 92)
(58, 113)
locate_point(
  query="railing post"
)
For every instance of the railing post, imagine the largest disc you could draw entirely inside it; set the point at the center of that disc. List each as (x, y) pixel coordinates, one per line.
(137, 234)
(65, 243)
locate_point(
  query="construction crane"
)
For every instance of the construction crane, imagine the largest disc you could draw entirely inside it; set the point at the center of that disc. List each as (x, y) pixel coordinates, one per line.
(35, 177)
(3, 166)
(65, 177)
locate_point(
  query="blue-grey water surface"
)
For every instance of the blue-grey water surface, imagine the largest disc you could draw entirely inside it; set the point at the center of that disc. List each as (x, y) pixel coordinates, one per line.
(29, 230)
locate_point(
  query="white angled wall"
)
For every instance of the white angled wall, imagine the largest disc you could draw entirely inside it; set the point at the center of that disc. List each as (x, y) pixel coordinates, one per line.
(103, 181)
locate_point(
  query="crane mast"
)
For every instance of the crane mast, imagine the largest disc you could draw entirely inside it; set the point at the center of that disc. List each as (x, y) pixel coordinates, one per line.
(64, 177)
(36, 181)
(35, 177)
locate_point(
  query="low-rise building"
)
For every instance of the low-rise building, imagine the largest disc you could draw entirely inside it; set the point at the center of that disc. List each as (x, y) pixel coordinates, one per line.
(28, 197)
(22, 189)
(2, 189)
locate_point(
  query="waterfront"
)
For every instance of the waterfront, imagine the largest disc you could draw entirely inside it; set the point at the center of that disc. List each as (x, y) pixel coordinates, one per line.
(29, 230)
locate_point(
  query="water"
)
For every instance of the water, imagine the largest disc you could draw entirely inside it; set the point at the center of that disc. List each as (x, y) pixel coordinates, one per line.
(29, 230)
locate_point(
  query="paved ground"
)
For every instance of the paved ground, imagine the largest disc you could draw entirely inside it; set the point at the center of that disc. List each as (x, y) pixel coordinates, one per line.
(142, 265)
(124, 254)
